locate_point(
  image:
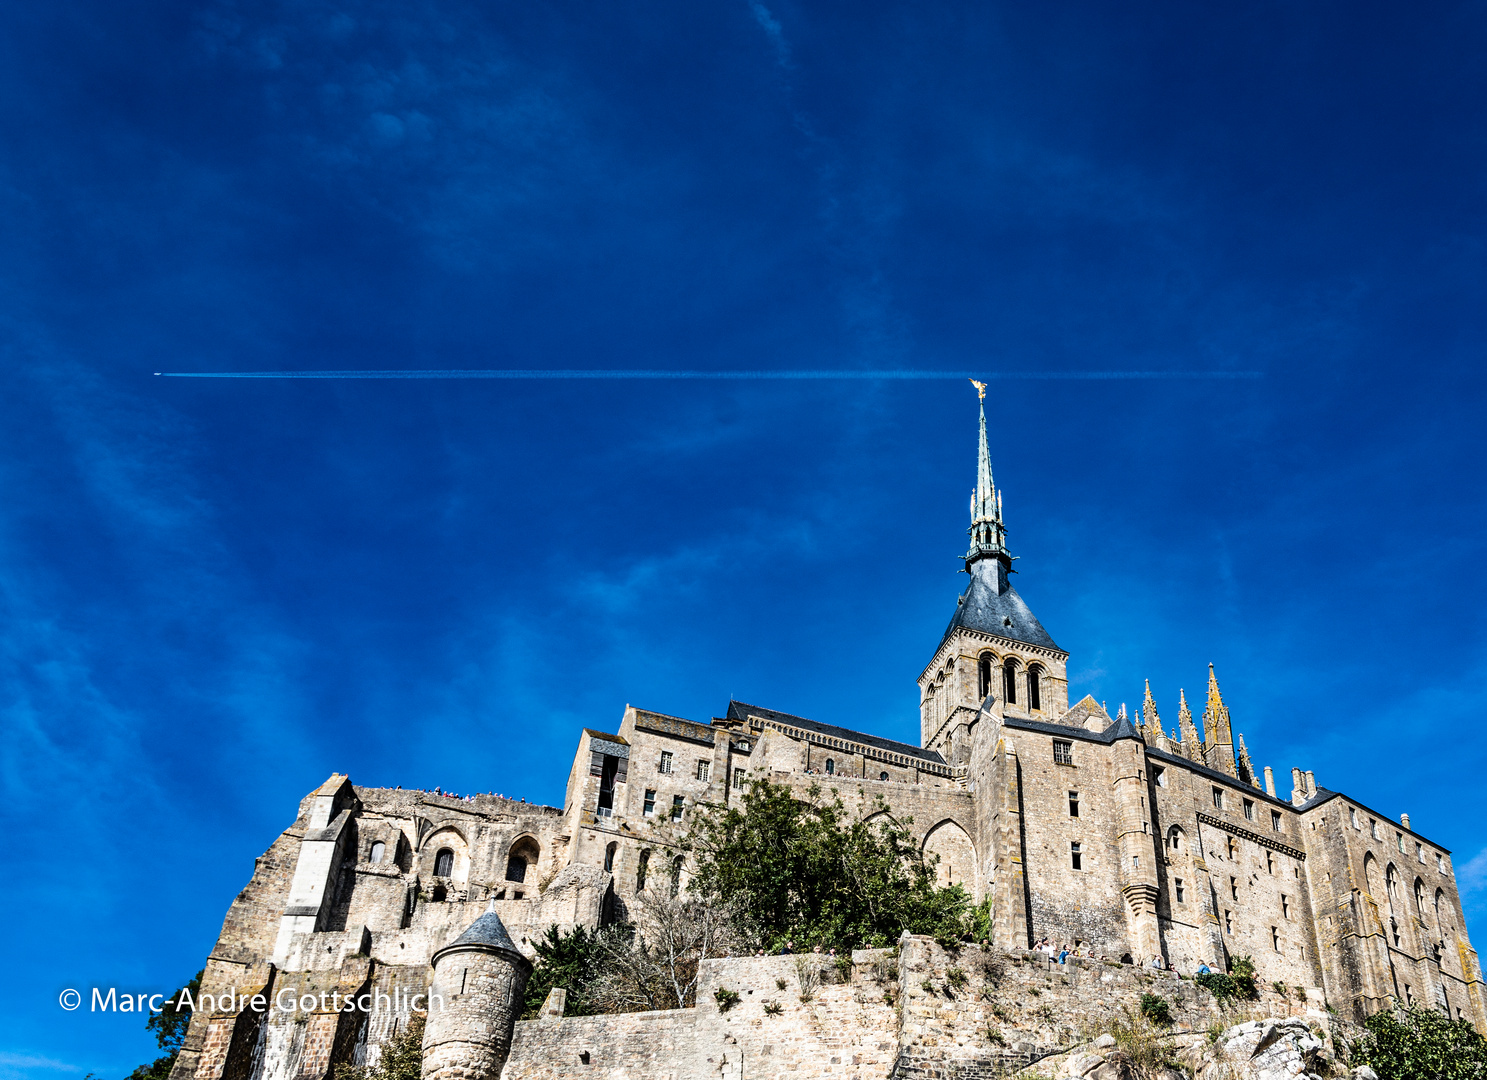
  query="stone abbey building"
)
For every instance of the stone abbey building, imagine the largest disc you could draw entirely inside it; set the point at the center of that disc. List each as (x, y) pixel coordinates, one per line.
(1112, 833)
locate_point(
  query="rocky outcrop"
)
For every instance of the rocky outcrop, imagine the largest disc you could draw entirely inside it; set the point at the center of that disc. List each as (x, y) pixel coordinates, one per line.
(1278, 1048)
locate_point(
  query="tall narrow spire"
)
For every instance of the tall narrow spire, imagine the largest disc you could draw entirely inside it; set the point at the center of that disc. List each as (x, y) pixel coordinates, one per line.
(1192, 745)
(1151, 722)
(1218, 736)
(988, 534)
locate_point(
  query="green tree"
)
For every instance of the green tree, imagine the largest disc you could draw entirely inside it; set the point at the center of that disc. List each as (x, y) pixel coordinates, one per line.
(809, 872)
(573, 961)
(169, 1026)
(402, 1057)
(1420, 1044)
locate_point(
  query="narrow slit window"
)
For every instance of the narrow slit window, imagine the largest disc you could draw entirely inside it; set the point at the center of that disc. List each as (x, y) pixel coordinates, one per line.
(1034, 688)
(650, 802)
(1076, 856)
(1009, 681)
(1275, 820)
(1177, 886)
(1073, 804)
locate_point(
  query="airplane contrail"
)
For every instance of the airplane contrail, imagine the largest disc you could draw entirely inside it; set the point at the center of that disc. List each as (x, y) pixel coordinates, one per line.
(667, 373)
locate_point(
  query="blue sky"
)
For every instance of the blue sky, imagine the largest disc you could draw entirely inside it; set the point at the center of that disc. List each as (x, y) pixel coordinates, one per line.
(214, 593)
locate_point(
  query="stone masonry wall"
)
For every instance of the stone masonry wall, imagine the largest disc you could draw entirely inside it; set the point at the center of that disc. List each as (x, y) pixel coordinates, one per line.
(918, 1011)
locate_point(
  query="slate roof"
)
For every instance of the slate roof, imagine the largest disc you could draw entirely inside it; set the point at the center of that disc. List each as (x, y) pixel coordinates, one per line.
(486, 930)
(737, 710)
(993, 608)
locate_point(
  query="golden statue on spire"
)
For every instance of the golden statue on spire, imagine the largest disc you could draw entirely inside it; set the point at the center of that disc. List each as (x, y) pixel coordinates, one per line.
(980, 389)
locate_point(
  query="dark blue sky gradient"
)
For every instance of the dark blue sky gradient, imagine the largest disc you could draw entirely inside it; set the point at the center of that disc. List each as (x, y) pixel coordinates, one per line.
(215, 593)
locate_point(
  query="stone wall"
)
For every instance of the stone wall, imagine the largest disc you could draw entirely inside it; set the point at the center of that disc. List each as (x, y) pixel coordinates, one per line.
(918, 1011)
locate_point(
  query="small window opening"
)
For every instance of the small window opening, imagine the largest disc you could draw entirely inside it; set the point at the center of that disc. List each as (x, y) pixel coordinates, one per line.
(676, 875)
(378, 850)
(983, 672)
(1159, 774)
(664, 767)
(650, 802)
(1073, 804)
(644, 865)
(830, 767)
(1034, 688)
(1177, 885)
(1218, 798)
(1228, 921)
(1233, 888)
(882, 776)
(1076, 856)
(678, 804)
(1275, 938)
(609, 857)
(1063, 752)
(1249, 809)
(1269, 863)
(1009, 681)
(1275, 820)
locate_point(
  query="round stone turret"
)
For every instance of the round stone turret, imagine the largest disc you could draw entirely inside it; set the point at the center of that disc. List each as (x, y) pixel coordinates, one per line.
(476, 998)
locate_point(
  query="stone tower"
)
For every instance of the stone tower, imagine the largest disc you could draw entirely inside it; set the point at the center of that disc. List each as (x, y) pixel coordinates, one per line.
(474, 1003)
(994, 651)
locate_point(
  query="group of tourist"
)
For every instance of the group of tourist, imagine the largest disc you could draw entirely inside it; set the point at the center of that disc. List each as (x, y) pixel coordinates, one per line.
(462, 798)
(1059, 954)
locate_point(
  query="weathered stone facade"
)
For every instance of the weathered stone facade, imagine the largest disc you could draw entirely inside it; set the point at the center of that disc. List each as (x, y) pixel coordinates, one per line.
(1148, 850)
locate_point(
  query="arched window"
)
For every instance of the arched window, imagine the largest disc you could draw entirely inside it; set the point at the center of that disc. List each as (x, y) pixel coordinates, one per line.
(830, 767)
(444, 863)
(882, 776)
(983, 672)
(1391, 884)
(676, 875)
(609, 857)
(645, 862)
(523, 853)
(1009, 680)
(1034, 687)
(1420, 899)
(378, 850)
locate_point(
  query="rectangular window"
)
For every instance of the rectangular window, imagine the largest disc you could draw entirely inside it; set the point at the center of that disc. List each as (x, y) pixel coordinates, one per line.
(1399, 839)
(1275, 938)
(1285, 906)
(664, 768)
(1159, 774)
(1218, 798)
(678, 804)
(703, 768)
(1440, 862)
(1177, 884)
(1420, 854)
(1353, 818)
(738, 775)
(1269, 863)
(1249, 809)
(1373, 828)
(650, 801)
(1228, 921)
(1275, 820)
(1136, 862)
(1063, 752)
(1073, 804)
(1076, 857)
(1234, 888)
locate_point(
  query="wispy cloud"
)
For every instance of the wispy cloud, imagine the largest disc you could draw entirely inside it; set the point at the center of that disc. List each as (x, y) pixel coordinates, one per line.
(773, 30)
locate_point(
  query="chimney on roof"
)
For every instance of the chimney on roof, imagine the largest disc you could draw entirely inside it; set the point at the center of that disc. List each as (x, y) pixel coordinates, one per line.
(1404, 819)
(1311, 783)
(1269, 782)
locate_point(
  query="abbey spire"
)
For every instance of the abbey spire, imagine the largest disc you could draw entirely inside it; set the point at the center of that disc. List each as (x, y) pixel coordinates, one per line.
(988, 534)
